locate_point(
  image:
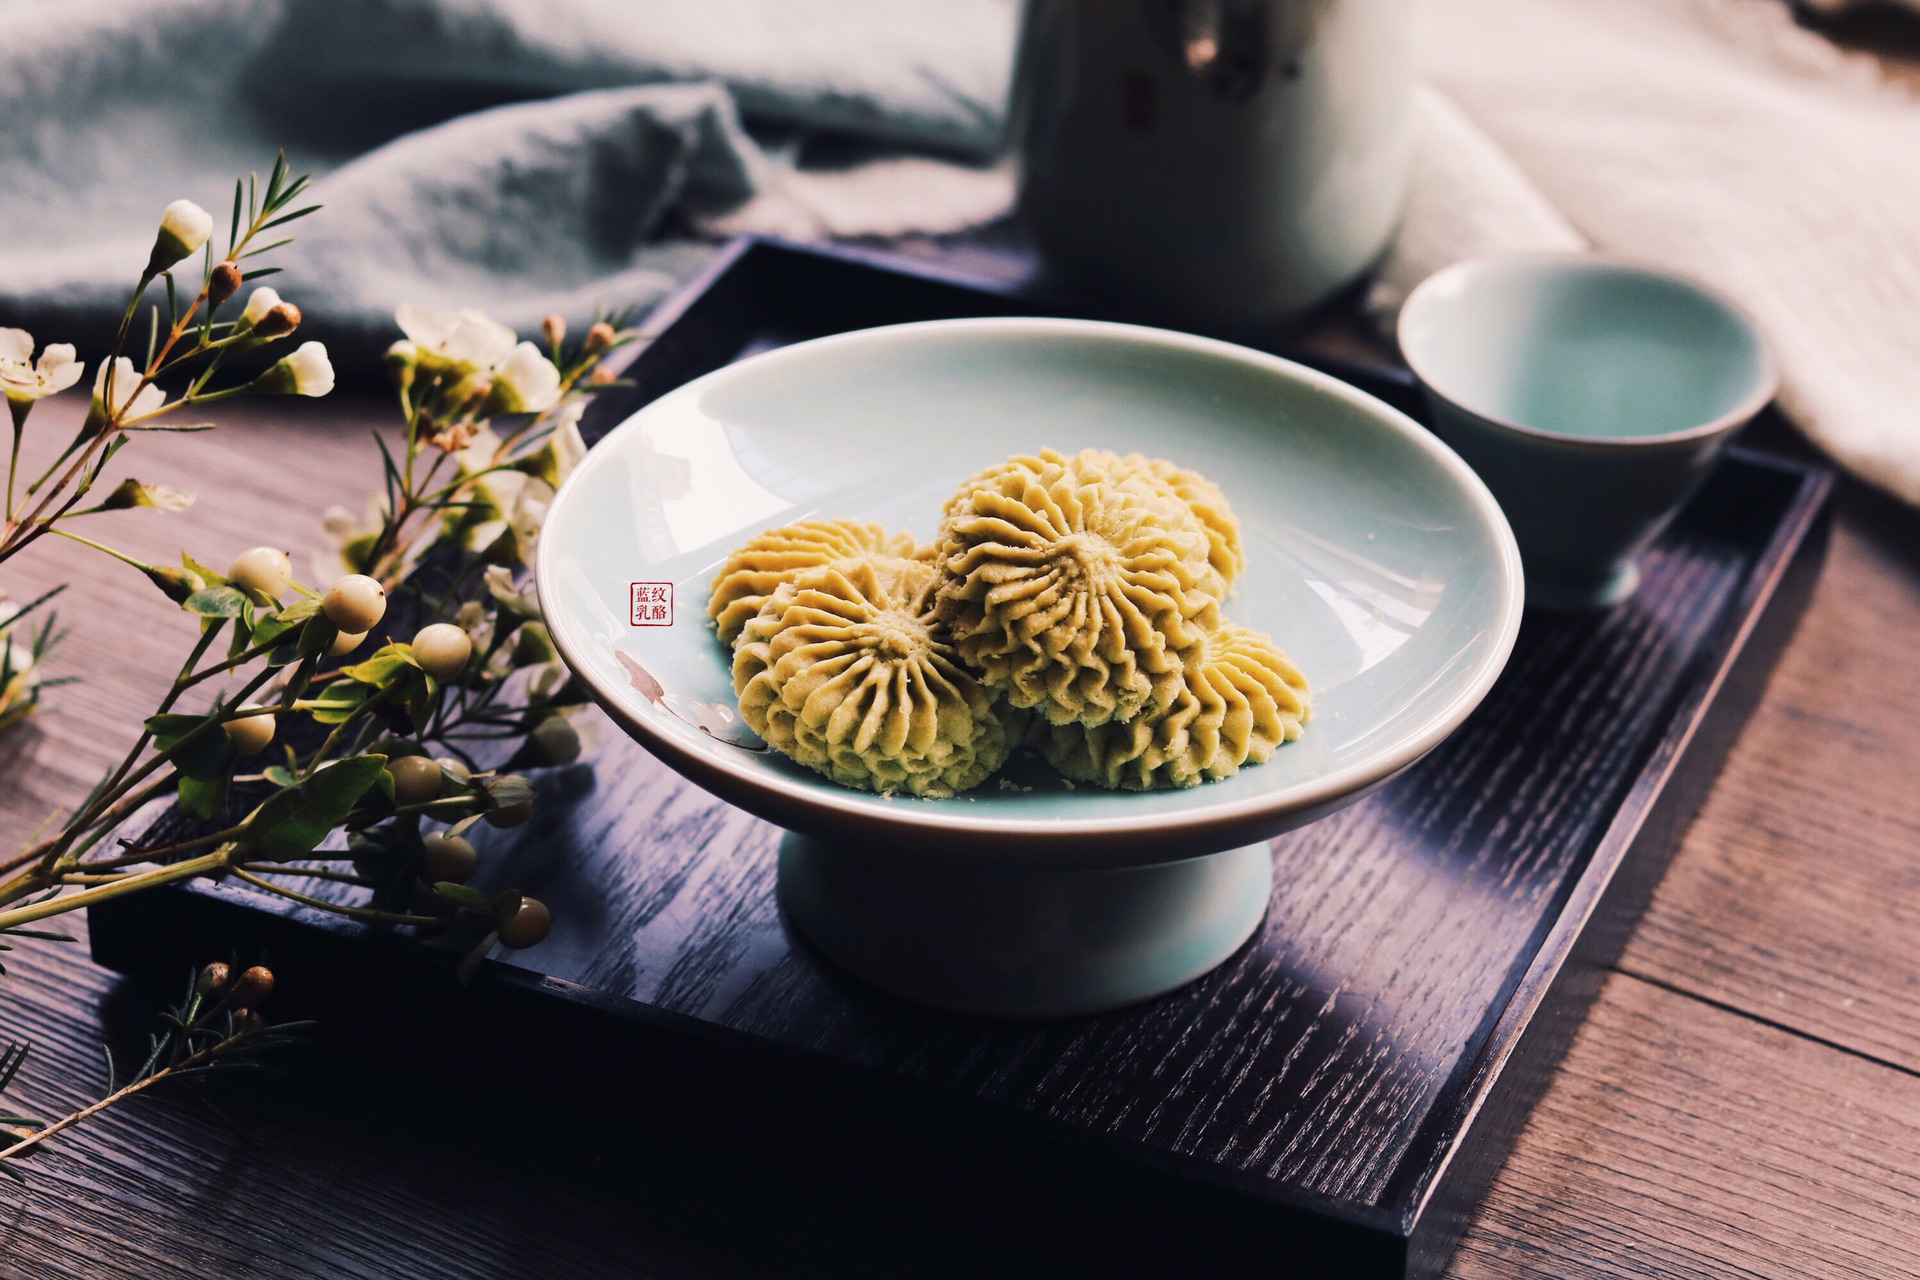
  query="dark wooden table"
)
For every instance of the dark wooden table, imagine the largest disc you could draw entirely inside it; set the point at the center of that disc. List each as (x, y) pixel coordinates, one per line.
(1743, 1101)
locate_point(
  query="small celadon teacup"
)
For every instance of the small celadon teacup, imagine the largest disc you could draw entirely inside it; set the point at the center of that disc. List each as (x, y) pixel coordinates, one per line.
(1591, 394)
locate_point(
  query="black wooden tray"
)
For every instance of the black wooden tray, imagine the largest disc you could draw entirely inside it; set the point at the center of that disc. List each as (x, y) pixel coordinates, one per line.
(1332, 1101)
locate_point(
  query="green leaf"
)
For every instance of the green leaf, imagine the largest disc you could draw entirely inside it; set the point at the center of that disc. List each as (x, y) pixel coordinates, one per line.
(293, 822)
(317, 634)
(339, 700)
(207, 758)
(207, 575)
(280, 776)
(383, 666)
(216, 602)
(466, 897)
(202, 798)
(242, 633)
(169, 729)
(421, 699)
(270, 628)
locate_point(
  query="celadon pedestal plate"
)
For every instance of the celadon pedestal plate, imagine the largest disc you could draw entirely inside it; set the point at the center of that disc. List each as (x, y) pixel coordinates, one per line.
(1374, 556)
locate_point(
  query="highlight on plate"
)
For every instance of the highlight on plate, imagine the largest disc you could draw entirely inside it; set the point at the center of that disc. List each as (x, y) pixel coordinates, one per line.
(1070, 604)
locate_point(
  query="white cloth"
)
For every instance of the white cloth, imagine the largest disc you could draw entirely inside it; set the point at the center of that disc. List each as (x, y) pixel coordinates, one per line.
(1710, 136)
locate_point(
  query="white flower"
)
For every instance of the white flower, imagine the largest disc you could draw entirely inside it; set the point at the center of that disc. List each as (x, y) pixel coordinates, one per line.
(569, 447)
(184, 227)
(351, 537)
(500, 586)
(525, 382)
(529, 510)
(307, 372)
(22, 673)
(126, 406)
(24, 381)
(457, 342)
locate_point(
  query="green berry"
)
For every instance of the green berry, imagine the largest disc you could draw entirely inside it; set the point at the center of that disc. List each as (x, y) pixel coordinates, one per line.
(264, 571)
(511, 815)
(557, 741)
(416, 780)
(442, 650)
(529, 924)
(250, 733)
(448, 858)
(355, 603)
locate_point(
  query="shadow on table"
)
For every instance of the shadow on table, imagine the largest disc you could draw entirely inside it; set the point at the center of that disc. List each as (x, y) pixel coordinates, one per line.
(668, 1173)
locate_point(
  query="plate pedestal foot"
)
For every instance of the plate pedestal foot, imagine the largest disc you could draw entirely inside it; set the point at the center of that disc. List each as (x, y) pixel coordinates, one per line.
(1009, 941)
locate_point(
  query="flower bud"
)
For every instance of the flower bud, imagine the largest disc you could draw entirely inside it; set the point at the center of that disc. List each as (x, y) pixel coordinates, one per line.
(307, 372)
(213, 979)
(259, 303)
(599, 338)
(554, 329)
(184, 227)
(223, 284)
(178, 584)
(278, 323)
(403, 360)
(452, 438)
(254, 986)
(600, 377)
(455, 770)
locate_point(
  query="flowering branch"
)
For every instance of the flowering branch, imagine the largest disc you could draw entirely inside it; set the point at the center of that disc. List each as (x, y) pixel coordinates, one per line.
(297, 761)
(217, 1026)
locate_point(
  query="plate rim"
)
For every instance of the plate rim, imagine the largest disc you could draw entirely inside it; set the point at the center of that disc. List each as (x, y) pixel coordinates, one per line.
(795, 802)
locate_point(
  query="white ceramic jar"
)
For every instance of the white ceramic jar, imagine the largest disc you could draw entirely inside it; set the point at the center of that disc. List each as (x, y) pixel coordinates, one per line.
(1226, 163)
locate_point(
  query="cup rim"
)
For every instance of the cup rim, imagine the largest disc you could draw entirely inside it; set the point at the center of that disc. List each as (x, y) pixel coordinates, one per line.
(1765, 387)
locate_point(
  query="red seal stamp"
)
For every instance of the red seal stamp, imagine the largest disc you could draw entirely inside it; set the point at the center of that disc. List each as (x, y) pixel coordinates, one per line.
(652, 604)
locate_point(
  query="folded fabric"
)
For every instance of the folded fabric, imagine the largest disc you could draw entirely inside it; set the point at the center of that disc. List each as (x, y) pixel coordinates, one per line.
(472, 152)
(110, 110)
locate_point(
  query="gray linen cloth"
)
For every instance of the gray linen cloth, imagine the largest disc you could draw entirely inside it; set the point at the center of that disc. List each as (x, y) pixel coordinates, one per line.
(521, 156)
